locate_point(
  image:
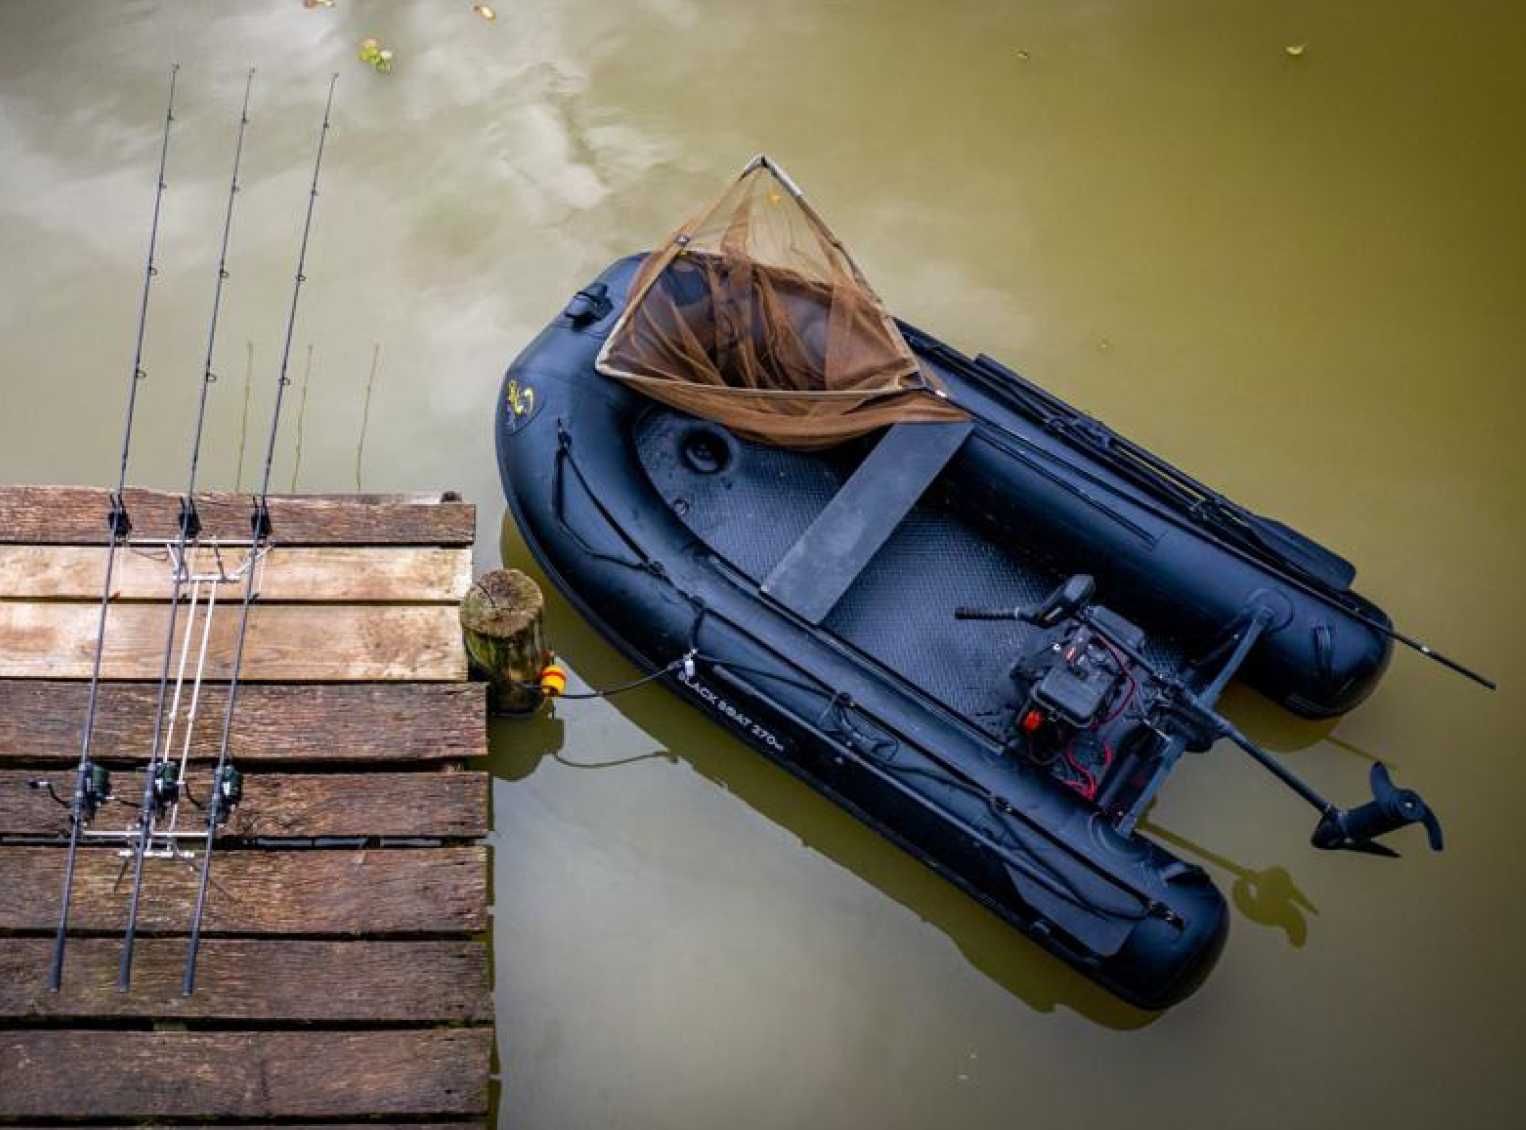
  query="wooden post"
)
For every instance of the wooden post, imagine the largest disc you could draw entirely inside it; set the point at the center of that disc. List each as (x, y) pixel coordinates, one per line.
(501, 619)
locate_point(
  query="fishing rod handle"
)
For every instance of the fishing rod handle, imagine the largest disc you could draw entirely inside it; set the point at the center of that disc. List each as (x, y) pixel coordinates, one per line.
(964, 612)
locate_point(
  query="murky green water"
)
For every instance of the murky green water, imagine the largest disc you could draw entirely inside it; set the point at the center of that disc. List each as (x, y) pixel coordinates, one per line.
(1300, 275)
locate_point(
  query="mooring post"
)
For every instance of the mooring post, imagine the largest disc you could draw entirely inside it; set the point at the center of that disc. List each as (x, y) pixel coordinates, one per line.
(501, 620)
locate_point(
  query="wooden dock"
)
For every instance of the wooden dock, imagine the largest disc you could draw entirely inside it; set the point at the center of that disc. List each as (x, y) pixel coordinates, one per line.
(345, 972)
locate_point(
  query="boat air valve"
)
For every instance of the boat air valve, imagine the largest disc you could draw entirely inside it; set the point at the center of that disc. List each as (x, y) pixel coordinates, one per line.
(705, 450)
(588, 305)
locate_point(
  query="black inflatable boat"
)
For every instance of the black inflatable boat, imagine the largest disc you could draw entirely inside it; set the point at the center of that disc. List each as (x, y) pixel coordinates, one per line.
(989, 627)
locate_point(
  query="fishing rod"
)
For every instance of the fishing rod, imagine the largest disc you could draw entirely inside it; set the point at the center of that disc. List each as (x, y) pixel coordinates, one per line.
(160, 789)
(91, 782)
(1290, 556)
(226, 785)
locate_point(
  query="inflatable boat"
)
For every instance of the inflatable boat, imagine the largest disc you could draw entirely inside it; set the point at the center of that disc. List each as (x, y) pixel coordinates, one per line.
(975, 617)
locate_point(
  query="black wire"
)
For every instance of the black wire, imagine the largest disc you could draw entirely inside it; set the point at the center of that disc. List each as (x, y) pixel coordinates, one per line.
(606, 692)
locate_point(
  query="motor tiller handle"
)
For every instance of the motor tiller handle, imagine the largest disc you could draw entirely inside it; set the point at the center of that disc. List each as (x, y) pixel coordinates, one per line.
(964, 612)
(1071, 596)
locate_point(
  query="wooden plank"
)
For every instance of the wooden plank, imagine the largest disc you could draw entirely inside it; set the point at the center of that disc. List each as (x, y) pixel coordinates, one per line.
(445, 805)
(319, 643)
(65, 515)
(112, 1074)
(838, 545)
(245, 979)
(305, 574)
(312, 892)
(40, 721)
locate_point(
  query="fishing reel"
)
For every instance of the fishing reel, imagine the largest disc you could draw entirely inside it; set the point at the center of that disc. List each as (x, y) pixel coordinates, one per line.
(166, 786)
(227, 791)
(95, 790)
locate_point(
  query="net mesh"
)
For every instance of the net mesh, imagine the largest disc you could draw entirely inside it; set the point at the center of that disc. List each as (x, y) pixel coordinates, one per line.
(755, 316)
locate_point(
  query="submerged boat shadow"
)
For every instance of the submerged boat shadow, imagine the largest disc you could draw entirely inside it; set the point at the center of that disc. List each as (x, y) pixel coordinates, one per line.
(987, 942)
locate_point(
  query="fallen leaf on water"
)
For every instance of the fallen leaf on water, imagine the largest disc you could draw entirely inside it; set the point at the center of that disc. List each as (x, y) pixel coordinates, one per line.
(485, 11)
(371, 51)
(1295, 49)
(317, 3)
(1023, 56)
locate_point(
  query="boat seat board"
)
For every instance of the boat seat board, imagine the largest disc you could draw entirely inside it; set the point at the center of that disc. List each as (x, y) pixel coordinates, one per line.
(818, 569)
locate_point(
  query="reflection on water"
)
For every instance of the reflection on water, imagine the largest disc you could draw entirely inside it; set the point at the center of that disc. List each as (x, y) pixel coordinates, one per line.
(1299, 276)
(1267, 897)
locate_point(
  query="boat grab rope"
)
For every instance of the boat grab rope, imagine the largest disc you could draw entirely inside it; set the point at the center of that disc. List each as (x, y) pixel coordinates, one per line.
(564, 458)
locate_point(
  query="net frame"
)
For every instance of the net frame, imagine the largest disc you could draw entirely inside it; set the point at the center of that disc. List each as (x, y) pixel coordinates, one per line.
(820, 360)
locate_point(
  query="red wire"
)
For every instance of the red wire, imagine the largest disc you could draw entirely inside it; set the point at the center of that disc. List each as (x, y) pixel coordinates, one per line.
(1088, 790)
(1123, 669)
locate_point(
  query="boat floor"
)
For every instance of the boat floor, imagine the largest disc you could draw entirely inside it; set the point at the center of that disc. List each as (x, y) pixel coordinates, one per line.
(900, 609)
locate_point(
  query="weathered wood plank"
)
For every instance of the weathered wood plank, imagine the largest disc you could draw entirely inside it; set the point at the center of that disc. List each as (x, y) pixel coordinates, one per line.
(63, 515)
(455, 1124)
(305, 574)
(320, 643)
(246, 979)
(40, 721)
(376, 892)
(278, 804)
(103, 1074)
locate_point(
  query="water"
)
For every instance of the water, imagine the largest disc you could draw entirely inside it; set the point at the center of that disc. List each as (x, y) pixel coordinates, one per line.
(1299, 275)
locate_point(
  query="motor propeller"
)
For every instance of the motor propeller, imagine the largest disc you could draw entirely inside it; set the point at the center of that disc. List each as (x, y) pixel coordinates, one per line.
(1391, 808)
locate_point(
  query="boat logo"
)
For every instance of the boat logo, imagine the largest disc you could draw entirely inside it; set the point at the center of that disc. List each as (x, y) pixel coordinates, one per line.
(520, 401)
